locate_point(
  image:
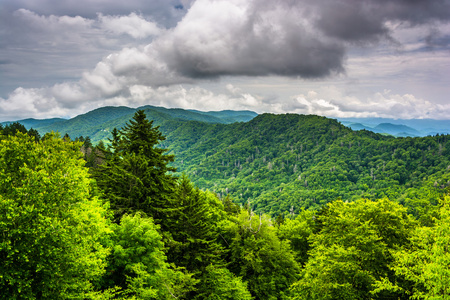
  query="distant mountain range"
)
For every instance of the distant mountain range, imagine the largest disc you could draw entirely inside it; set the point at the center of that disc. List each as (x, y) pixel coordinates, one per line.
(281, 162)
(98, 124)
(399, 127)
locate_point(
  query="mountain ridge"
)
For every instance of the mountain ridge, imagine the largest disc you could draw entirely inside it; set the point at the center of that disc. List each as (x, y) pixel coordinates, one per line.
(98, 123)
(277, 163)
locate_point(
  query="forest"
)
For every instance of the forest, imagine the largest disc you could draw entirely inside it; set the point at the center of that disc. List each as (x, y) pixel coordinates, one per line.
(278, 207)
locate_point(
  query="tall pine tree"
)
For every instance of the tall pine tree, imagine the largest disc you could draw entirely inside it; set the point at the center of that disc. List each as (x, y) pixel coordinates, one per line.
(137, 176)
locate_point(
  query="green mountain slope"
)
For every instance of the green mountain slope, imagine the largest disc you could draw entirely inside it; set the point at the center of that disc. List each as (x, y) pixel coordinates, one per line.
(231, 116)
(277, 162)
(281, 163)
(99, 123)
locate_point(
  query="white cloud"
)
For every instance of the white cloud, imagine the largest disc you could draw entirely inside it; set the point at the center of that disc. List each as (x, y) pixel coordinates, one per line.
(129, 59)
(134, 25)
(52, 22)
(23, 103)
(381, 104)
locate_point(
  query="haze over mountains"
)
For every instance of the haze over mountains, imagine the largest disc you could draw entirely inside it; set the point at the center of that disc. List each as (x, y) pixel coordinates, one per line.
(97, 124)
(399, 127)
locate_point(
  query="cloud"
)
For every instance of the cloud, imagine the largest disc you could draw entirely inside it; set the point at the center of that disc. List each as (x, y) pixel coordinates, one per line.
(127, 52)
(48, 49)
(215, 38)
(251, 38)
(167, 12)
(366, 20)
(285, 38)
(381, 104)
(133, 25)
(70, 100)
(23, 103)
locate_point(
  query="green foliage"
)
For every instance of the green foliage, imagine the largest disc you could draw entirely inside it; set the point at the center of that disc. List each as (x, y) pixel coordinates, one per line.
(218, 283)
(426, 262)
(279, 162)
(195, 228)
(15, 128)
(57, 241)
(52, 228)
(282, 161)
(351, 250)
(137, 176)
(297, 231)
(258, 256)
(137, 264)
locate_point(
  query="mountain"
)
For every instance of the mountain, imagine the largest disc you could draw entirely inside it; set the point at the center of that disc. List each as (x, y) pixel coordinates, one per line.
(98, 123)
(420, 127)
(395, 129)
(279, 162)
(231, 116)
(359, 126)
(34, 123)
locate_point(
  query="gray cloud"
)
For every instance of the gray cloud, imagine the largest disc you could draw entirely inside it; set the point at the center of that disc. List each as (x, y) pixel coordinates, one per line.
(287, 38)
(89, 52)
(251, 38)
(214, 38)
(365, 20)
(167, 12)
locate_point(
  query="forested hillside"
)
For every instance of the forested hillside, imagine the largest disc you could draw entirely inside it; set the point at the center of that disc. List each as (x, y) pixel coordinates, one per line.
(98, 124)
(282, 163)
(129, 227)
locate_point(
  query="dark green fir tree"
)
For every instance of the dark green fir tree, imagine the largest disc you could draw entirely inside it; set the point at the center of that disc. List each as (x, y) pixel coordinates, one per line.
(137, 176)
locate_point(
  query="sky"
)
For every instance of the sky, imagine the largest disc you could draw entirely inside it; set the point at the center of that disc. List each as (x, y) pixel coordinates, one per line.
(335, 58)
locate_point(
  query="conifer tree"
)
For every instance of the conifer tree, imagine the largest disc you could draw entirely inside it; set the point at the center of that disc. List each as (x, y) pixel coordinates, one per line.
(195, 228)
(138, 177)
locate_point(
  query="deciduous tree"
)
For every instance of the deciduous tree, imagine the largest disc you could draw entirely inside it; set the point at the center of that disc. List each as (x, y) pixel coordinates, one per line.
(51, 227)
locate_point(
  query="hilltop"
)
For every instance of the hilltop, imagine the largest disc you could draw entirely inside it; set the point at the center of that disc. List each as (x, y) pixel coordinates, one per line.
(98, 123)
(281, 163)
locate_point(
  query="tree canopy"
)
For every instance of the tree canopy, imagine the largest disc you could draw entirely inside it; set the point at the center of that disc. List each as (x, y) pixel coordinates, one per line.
(51, 225)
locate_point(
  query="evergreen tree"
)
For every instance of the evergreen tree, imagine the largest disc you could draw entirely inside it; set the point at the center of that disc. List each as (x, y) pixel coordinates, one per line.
(34, 133)
(195, 228)
(137, 177)
(194, 232)
(14, 128)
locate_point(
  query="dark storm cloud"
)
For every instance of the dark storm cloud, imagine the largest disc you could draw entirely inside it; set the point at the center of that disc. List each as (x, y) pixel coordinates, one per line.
(413, 11)
(365, 20)
(209, 39)
(308, 39)
(117, 52)
(350, 21)
(251, 38)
